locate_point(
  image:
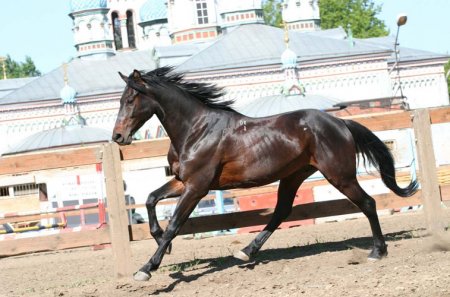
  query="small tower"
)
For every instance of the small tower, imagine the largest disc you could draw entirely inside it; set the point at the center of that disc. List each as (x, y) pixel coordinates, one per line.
(91, 28)
(192, 21)
(301, 15)
(72, 116)
(289, 65)
(153, 15)
(240, 12)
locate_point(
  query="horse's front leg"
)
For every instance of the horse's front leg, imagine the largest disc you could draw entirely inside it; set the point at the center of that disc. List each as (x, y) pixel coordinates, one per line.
(173, 188)
(187, 203)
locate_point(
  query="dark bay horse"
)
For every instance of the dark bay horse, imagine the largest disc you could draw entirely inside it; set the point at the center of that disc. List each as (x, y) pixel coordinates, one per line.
(214, 147)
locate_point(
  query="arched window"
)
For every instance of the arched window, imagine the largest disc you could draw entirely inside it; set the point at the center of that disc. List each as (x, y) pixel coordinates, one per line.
(130, 29)
(116, 30)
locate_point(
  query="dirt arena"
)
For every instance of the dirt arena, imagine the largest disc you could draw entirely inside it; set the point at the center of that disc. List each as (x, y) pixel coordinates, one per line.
(320, 260)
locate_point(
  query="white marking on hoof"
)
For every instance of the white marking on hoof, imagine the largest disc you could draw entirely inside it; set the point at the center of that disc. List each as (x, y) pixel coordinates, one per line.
(141, 276)
(241, 256)
(371, 259)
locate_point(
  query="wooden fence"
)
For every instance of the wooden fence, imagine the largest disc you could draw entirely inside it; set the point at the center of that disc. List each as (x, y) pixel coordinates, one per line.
(118, 233)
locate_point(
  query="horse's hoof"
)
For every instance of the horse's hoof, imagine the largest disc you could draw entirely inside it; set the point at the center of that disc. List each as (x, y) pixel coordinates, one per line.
(377, 255)
(241, 256)
(141, 276)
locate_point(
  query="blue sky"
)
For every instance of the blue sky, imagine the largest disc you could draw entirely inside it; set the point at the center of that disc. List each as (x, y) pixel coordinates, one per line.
(42, 29)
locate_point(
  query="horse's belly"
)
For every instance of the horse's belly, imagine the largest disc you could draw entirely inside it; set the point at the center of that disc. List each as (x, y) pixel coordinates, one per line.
(252, 175)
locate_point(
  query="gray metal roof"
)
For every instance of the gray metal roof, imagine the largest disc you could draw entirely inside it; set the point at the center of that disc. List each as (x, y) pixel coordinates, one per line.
(257, 44)
(277, 104)
(246, 46)
(58, 137)
(86, 76)
(9, 85)
(406, 54)
(172, 55)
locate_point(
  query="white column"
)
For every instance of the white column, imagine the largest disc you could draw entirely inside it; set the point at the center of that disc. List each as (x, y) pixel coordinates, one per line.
(124, 31)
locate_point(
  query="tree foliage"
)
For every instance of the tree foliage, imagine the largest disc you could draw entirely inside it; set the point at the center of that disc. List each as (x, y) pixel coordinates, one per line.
(272, 12)
(16, 69)
(359, 15)
(447, 75)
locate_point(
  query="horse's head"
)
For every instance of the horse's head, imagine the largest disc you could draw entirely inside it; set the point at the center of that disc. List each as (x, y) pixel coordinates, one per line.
(136, 107)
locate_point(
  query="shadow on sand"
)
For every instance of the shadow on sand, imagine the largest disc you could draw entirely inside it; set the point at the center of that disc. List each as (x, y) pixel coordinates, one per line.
(265, 256)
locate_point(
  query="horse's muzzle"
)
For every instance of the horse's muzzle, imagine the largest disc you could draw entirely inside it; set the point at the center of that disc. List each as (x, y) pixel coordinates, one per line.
(117, 137)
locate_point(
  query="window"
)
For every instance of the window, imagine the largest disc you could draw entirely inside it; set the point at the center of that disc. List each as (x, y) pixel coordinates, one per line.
(130, 30)
(4, 192)
(390, 145)
(202, 12)
(26, 189)
(117, 31)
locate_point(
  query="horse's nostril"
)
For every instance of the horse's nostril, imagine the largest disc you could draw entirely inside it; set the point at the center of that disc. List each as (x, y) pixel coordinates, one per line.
(116, 136)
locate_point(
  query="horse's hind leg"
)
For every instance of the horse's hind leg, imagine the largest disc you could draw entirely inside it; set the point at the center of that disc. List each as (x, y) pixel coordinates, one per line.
(286, 194)
(351, 188)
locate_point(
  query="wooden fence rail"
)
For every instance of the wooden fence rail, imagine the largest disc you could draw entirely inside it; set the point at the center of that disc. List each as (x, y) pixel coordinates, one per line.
(119, 235)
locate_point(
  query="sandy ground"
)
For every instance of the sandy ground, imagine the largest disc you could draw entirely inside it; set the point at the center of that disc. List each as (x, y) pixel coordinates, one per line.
(320, 260)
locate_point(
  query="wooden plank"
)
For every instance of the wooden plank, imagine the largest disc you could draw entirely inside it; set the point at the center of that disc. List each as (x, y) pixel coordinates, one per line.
(152, 148)
(146, 149)
(427, 171)
(117, 214)
(54, 242)
(391, 121)
(49, 160)
(445, 192)
(440, 115)
(38, 217)
(262, 216)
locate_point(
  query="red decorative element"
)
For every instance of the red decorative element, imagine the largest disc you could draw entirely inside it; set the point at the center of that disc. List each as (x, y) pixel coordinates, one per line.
(269, 200)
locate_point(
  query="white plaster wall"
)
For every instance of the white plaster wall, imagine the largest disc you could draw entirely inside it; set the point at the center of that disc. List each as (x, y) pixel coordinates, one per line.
(183, 15)
(306, 11)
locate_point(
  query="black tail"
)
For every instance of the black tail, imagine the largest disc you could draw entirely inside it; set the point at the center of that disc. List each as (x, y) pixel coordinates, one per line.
(376, 153)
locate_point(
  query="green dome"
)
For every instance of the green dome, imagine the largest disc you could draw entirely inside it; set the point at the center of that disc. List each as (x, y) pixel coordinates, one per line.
(289, 59)
(153, 10)
(79, 5)
(68, 94)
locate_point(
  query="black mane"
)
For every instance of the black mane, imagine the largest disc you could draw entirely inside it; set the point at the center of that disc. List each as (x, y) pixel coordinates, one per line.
(208, 94)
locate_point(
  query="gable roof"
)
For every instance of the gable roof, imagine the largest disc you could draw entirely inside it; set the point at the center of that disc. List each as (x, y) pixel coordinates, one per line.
(86, 76)
(257, 45)
(9, 85)
(406, 54)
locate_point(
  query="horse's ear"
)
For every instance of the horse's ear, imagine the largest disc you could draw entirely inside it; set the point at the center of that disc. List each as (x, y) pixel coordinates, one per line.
(136, 74)
(137, 86)
(124, 77)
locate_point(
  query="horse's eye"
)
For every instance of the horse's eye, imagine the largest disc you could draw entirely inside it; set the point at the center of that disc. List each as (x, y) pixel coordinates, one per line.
(130, 99)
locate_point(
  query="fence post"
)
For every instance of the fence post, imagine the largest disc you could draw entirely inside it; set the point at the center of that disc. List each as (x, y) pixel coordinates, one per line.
(431, 196)
(117, 215)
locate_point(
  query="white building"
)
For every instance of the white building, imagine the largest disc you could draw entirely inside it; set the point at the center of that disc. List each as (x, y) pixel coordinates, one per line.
(219, 41)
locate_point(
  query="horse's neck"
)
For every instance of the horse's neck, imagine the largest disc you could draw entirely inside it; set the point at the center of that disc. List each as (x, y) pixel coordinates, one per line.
(178, 115)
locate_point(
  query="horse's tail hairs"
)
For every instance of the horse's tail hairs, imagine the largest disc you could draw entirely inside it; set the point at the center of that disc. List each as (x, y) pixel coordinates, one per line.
(375, 152)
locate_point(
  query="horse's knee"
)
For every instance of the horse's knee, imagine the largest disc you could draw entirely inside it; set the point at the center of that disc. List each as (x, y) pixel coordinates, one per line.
(151, 201)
